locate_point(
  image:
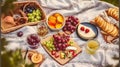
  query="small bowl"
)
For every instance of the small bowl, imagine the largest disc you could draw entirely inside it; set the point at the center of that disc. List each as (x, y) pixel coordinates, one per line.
(63, 23)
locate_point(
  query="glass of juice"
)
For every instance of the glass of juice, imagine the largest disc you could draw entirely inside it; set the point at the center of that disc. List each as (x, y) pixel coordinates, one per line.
(92, 46)
(42, 29)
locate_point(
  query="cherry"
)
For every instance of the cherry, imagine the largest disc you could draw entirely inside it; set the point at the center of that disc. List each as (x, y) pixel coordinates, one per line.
(82, 28)
(87, 30)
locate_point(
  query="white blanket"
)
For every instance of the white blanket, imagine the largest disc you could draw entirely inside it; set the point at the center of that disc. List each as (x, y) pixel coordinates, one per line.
(85, 10)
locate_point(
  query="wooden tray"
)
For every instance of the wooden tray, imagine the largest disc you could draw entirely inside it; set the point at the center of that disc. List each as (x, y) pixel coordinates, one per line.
(61, 61)
(28, 61)
(17, 6)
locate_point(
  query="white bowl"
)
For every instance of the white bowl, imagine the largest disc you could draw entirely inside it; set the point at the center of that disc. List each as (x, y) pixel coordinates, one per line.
(55, 29)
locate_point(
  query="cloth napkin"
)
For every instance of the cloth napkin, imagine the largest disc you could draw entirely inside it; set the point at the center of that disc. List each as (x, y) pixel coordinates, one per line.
(85, 10)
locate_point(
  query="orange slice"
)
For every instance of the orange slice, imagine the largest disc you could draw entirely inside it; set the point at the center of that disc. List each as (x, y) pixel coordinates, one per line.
(36, 58)
(60, 19)
(58, 26)
(51, 26)
(56, 14)
(52, 19)
(52, 23)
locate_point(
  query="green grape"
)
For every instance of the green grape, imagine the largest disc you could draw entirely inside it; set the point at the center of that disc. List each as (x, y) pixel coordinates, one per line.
(50, 49)
(38, 17)
(29, 14)
(35, 19)
(37, 11)
(32, 20)
(53, 48)
(34, 16)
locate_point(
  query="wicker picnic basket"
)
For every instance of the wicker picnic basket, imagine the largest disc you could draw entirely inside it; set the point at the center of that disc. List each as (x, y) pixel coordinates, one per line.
(19, 9)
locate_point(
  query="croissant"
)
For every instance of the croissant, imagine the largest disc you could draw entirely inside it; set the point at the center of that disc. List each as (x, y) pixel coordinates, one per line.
(113, 12)
(107, 27)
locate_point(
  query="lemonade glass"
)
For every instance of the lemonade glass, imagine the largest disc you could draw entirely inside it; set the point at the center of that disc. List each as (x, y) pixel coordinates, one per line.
(92, 46)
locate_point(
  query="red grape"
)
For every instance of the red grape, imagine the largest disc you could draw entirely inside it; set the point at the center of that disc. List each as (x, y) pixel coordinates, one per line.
(64, 28)
(33, 39)
(34, 36)
(57, 49)
(20, 33)
(70, 23)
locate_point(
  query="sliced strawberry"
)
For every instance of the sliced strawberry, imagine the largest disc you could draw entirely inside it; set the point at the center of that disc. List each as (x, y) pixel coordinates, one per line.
(53, 52)
(87, 30)
(82, 28)
(74, 55)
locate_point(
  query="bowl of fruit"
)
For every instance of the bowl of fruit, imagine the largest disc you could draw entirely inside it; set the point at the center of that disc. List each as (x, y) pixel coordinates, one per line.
(55, 21)
(33, 41)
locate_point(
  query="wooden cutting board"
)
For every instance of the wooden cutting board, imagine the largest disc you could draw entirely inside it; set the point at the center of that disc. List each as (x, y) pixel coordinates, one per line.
(59, 60)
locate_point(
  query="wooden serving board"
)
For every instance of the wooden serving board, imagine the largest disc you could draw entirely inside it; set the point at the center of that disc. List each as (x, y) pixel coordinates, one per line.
(27, 60)
(59, 60)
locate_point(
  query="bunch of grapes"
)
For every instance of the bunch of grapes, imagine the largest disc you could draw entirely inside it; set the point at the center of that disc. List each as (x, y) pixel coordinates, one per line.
(34, 16)
(33, 39)
(60, 42)
(71, 24)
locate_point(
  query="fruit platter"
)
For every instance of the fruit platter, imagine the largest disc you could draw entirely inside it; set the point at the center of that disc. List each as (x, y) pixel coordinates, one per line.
(61, 47)
(23, 13)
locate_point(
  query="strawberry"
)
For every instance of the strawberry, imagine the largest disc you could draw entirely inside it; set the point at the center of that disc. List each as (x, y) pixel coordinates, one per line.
(53, 52)
(72, 51)
(87, 30)
(74, 55)
(56, 55)
(82, 28)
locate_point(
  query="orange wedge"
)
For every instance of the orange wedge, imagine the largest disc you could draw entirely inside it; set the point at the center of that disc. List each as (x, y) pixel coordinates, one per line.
(56, 14)
(52, 19)
(36, 58)
(60, 19)
(58, 26)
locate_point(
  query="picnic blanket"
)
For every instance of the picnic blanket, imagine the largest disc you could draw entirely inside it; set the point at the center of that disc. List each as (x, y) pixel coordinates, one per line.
(85, 10)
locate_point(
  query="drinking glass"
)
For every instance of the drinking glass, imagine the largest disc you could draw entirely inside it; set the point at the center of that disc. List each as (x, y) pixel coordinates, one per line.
(92, 46)
(42, 29)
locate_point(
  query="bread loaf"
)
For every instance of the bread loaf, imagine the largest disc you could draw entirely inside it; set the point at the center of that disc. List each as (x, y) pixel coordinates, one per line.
(107, 27)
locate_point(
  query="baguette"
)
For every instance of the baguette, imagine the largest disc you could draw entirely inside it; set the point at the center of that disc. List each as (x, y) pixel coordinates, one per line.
(113, 12)
(106, 27)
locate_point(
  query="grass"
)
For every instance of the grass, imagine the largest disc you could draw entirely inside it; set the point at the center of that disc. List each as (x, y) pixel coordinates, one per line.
(114, 2)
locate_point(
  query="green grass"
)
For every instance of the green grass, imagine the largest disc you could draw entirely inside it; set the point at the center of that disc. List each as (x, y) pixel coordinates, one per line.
(114, 2)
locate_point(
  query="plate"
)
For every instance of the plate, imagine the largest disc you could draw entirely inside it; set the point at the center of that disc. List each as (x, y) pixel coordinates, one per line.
(93, 27)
